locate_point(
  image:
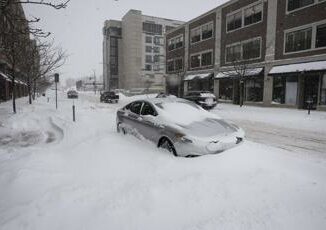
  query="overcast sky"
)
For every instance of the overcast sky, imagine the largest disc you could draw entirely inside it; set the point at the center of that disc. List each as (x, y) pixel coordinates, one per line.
(78, 28)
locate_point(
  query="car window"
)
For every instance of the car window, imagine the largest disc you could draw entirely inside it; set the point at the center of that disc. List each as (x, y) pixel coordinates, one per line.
(148, 110)
(135, 107)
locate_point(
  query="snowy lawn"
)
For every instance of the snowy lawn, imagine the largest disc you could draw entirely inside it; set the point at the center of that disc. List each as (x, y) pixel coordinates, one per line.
(84, 175)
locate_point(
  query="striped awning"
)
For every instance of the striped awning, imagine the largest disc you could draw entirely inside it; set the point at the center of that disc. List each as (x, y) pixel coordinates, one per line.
(197, 76)
(300, 67)
(233, 73)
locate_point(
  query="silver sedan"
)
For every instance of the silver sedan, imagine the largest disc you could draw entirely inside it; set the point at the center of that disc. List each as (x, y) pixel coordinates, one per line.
(180, 126)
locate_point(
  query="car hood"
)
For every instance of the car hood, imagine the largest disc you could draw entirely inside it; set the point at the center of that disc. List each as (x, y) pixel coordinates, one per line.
(208, 127)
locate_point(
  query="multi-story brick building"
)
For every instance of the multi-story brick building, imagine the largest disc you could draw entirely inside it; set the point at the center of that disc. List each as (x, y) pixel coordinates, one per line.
(133, 51)
(11, 37)
(273, 51)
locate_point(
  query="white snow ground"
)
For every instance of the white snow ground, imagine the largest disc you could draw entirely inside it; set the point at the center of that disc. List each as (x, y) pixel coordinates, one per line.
(56, 174)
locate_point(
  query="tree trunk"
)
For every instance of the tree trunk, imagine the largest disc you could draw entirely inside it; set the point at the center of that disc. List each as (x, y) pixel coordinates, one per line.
(29, 88)
(241, 92)
(13, 95)
(34, 89)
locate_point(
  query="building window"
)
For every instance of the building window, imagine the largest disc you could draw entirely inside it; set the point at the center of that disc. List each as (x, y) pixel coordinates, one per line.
(201, 33)
(175, 43)
(206, 59)
(246, 50)
(226, 89)
(298, 40)
(179, 42)
(178, 64)
(234, 21)
(254, 88)
(149, 39)
(251, 49)
(253, 14)
(195, 35)
(149, 49)
(149, 59)
(156, 58)
(171, 45)
(170, 65)
(148, 67)
(285, 90)
(233, 53)
(323, 90)
(296, 4)
(157, 40)
(321, 36)
(156, 49)
(195, 61)
(207, 31)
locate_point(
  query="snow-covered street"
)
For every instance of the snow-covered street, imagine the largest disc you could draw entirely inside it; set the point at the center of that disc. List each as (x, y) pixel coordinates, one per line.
(57, 174)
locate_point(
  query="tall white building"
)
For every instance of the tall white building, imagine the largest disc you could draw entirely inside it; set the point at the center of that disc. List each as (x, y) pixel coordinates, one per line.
(133, 51)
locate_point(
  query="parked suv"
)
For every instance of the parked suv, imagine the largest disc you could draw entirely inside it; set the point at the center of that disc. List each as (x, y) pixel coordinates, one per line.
(205, 99)
(109, 97)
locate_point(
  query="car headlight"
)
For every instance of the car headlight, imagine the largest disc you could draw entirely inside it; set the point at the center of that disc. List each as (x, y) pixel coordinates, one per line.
(182, 137)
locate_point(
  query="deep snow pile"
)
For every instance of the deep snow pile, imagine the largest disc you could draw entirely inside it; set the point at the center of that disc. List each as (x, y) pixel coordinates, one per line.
(94, 178)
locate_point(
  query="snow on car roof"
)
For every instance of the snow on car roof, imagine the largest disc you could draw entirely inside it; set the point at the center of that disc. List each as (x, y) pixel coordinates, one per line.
(181, 112)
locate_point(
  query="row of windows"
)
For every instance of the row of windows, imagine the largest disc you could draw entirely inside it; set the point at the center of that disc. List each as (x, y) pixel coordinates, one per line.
(156, 40)
(152, 59)
(150, 49)
(201, 33)
(149, 67)
(175, 43)
(246, 50)
(244, 17)
(175, 65)
(313, 37)
(297, 4)
(152, 28)
(201, 60)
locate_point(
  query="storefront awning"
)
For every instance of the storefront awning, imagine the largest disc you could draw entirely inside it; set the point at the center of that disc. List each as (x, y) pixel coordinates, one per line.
(233, 73)
(9, 78)
(5, 77)
(197, 76)
(293, 68)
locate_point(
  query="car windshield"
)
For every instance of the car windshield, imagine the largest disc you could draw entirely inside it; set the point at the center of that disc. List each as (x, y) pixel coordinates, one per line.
(182, 112)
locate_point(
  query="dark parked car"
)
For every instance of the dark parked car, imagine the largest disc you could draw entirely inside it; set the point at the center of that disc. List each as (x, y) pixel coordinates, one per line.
(72, 94)
(109, 97)
(205, 99)
(179, 125)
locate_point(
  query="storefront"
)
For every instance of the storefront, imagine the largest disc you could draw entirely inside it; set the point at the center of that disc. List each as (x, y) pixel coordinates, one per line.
(232, 84)
(300, 85)
(199, 82)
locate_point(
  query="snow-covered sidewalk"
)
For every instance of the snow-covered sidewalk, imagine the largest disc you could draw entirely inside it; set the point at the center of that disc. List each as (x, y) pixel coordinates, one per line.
(90, 177)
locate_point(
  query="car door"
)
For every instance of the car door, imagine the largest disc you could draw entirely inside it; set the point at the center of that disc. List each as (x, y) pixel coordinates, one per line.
(150, 127)
(133, 118)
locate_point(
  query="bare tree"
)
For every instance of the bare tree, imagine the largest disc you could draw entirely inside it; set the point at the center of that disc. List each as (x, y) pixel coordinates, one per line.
(15, 31)
(43, 59)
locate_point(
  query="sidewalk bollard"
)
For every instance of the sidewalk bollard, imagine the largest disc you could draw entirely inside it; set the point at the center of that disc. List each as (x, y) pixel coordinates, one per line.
(73, 113)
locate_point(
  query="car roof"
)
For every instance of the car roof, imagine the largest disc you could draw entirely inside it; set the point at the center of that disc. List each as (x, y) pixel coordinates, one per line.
(164, 99)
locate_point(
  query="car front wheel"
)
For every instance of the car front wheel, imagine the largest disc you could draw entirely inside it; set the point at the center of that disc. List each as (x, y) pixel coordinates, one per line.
(121, 129)
(168, 145)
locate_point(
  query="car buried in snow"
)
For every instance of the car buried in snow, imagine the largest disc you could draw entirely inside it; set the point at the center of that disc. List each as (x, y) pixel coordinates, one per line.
(178, 125)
